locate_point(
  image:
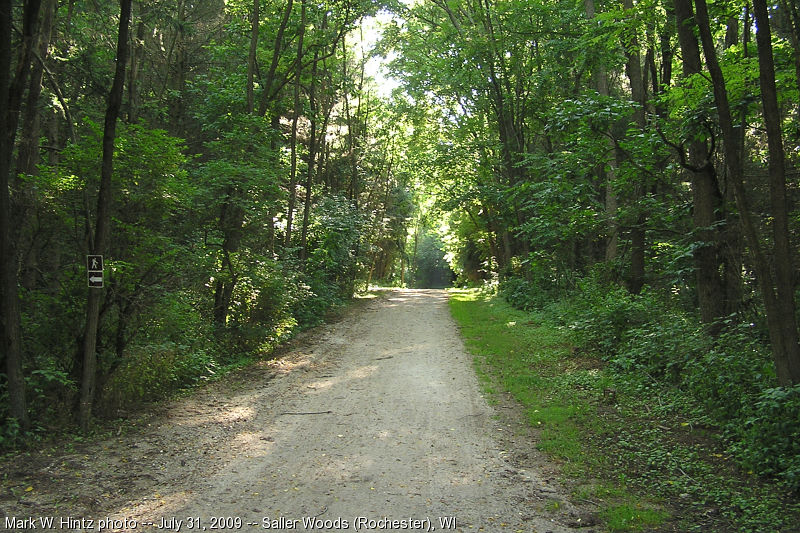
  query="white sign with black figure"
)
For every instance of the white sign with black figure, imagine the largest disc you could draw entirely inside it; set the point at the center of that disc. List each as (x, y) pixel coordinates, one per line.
(94, 267)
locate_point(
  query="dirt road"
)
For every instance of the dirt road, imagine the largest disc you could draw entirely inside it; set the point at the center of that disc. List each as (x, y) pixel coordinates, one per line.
(374, 423)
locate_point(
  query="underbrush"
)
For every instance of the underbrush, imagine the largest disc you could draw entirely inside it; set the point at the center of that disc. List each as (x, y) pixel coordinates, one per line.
(164, 353)
(615, 383)
(728, 381)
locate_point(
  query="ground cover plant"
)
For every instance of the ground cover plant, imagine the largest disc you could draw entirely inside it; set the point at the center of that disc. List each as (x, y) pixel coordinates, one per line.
(644, 451)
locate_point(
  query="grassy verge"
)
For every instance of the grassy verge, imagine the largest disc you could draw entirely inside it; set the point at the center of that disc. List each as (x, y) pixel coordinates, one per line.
(627, 446)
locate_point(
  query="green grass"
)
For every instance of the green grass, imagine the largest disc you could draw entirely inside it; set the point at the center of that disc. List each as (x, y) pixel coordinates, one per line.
(634, 450)
(627, 517)
(526, 355)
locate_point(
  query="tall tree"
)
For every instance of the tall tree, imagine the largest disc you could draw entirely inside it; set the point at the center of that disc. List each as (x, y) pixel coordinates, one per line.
(611, 207)
(706, 195)
(137, 52)
(781, 321)
(103, 223)
(12, 355)
(312, 150)
(295, 118)
(633, 68)
(12, 88)
(28, 150)
(251, 57)
(269, 90)
(788, 362)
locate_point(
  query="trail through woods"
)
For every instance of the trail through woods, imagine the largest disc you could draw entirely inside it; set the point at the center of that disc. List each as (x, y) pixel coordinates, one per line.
(378, 416)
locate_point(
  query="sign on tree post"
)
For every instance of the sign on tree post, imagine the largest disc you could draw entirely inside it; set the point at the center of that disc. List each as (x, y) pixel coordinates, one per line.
(94, 268)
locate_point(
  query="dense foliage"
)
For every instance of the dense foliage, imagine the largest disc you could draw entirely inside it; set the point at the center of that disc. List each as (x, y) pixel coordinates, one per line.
(635, 161)
(642, 450)
(257, 182)
(233, 164)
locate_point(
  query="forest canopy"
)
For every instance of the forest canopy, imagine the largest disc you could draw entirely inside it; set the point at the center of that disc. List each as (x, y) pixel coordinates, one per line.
(631, 166)
(229, 161)
(241, 174)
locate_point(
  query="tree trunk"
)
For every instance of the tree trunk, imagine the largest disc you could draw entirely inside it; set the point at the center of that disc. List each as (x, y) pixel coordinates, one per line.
(28, 150)
(133, 75)
(231, 221)
(267, 91)
(275, 124)
(732, 245)
(9, 113)
(251, 58)
(706, 195)
(351, 142)
(103, 223)
(783, 341)
(312, 155)
(633, 68)
(793, 16)
(296, 115)
(611, 206)
(788, 362)
(231, 216)
(28, 154)
(177, 81)
(322, 149)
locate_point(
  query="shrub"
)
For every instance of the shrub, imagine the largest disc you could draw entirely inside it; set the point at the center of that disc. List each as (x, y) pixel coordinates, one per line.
(769, 438)
(318, 296)
(729, 380)
(10, 432)
(151, 372)
(538, 281)
(662, 347)
(522, 294)
(730, 374)
(604, 319)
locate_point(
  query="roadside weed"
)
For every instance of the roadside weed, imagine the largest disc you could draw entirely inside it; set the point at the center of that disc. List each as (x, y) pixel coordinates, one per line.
(645, 455)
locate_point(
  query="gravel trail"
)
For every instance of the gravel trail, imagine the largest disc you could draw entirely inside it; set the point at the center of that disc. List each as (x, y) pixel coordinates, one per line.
(374, 423)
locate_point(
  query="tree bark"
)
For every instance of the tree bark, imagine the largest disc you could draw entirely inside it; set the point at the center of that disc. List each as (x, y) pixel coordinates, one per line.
(312, 156)
(103, 223)
(177, 80)
(793, 16)
(275, 124)
(633, 67)
(231, 221)
(783, 342)
(231, 216)
(706, 196)
(293, 173)
(732, 245)
(28, 154)
(251, 58)
(787, 362)
(28, 150)
(133, 76)
(611, 204)
(11, 91)
(269, 80)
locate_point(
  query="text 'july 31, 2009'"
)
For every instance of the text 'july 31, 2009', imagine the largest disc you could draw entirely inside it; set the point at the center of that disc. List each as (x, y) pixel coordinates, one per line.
(229, 523)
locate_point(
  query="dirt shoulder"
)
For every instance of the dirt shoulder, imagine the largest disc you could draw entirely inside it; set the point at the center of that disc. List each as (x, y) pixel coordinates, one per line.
(376, 422)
